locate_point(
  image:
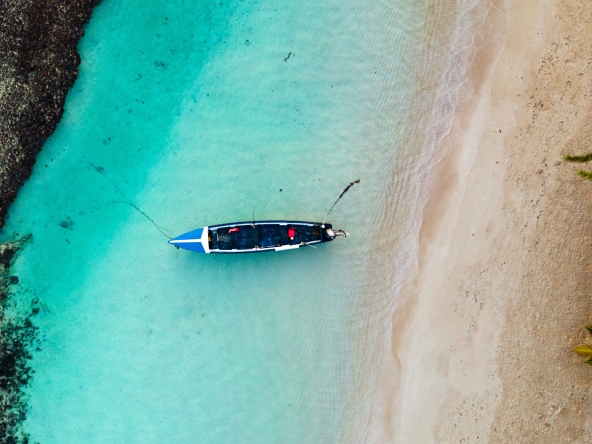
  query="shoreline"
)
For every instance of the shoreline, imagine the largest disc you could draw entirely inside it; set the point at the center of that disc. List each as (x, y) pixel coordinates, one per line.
(456, 339)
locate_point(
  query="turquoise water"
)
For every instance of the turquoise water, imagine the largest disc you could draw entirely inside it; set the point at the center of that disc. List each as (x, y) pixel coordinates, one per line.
(194, 112)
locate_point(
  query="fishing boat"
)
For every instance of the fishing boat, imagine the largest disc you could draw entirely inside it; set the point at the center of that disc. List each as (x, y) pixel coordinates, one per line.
(254, 237)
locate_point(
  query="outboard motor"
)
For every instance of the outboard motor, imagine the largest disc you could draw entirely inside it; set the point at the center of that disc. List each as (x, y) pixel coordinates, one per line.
(331, 233)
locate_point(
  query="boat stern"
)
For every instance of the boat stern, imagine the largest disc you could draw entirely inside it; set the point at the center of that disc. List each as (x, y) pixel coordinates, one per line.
(195, 240)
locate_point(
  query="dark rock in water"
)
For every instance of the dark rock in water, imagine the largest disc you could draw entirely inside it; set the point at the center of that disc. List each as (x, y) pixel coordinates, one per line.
(38, 63)
(16, 336)
(67, 223)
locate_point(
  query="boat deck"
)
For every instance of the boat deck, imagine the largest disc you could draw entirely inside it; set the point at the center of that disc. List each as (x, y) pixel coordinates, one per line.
(263, 235)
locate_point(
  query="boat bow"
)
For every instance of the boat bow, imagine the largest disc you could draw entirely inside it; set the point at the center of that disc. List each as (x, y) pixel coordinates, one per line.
(196, 240)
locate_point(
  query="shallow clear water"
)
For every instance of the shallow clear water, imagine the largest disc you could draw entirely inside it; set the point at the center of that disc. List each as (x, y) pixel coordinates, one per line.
(194, 112)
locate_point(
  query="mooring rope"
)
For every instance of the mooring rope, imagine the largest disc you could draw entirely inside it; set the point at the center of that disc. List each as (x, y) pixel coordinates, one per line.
(340, 196)
(128, 201)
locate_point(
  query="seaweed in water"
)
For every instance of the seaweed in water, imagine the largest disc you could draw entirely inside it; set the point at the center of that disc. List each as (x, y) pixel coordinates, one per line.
(16, 335)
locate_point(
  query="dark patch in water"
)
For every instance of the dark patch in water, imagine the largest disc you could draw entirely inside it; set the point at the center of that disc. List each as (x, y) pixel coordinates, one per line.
(16, 336)
(67, 224)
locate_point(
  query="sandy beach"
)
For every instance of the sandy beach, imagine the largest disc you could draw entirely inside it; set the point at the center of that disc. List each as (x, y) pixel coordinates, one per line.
(483, 332)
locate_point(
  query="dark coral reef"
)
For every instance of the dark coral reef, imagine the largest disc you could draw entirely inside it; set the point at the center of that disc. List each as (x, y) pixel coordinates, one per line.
(17, 332)
(38, 63)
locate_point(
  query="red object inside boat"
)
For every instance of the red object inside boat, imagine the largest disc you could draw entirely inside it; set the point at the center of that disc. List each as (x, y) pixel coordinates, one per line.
(291, 232)
(234, 230)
